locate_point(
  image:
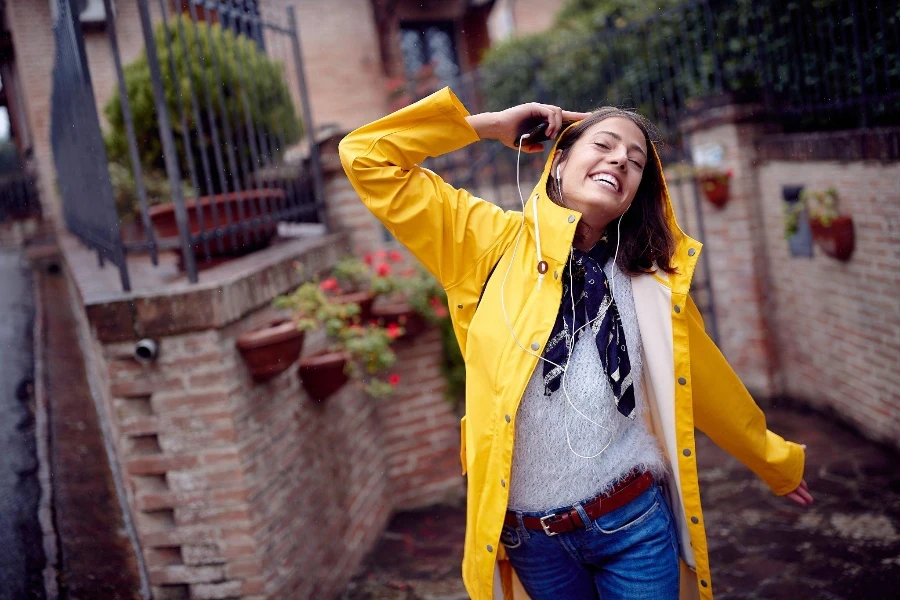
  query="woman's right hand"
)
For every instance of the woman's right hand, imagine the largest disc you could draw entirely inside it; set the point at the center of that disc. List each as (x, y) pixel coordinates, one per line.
(504, 125)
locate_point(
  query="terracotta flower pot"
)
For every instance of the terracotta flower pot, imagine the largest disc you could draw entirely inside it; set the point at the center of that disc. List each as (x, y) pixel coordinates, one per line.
(323, 374)
(836, 240)
(258, 202)
(403, 315)
(365, 301)
(715, 189)
(271, 350)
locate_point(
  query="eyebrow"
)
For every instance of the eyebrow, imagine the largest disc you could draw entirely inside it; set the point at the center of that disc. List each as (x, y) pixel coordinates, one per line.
(619, 137)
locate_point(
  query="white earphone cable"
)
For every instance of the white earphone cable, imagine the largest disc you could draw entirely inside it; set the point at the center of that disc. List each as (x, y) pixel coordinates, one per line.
(570, 341)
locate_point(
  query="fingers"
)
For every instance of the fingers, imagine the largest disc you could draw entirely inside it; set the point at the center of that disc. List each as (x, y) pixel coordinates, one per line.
(796, 498)
(568, 115)
(532, 148)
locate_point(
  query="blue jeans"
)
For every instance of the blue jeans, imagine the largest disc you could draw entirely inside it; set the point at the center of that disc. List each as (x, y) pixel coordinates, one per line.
(627, 554)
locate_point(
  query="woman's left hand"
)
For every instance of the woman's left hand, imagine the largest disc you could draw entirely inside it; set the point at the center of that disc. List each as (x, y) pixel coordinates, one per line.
(801, 495)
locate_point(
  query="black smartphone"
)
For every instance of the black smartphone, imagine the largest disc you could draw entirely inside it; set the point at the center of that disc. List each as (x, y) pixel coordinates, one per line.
(535, 127)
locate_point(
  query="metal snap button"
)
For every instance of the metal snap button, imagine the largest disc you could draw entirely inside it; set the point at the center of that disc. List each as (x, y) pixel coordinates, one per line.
(677, 308)
(535, 346)
(571, 218)
(692, 252)
(686, 451)
(682, 380)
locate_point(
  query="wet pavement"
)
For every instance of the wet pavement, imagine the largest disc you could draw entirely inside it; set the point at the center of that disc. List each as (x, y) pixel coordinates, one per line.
(846, 546)
(21, 553)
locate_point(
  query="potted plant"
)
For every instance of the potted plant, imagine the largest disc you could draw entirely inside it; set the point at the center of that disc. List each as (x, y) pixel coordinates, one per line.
(714, 184)
(356, 351)
(270, 350)
(832, 231)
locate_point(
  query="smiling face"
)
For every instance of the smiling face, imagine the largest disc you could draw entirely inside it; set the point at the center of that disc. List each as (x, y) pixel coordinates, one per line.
(601, 172)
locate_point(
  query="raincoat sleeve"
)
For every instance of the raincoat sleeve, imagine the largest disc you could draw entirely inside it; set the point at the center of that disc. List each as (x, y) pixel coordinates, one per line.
(446, 229)
(725, 411)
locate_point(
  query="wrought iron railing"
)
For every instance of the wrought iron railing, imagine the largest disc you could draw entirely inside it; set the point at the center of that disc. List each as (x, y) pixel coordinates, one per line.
(223, 154)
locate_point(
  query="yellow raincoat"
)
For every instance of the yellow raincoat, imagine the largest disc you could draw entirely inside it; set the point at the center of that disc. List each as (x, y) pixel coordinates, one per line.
(459, 238)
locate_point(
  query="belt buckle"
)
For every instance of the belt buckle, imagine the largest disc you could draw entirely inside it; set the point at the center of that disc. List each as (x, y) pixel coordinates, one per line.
(547, 527)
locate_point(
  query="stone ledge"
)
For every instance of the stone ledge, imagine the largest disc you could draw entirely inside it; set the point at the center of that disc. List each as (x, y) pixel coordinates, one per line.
(163, 303)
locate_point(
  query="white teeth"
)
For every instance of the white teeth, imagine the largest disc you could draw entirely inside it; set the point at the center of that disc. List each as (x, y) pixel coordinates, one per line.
(608, 180)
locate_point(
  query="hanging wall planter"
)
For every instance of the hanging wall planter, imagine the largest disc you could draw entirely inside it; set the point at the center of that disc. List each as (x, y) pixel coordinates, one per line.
(270, 350)
(715, 186)
(323, 374)
(835, 238)
(831, 230)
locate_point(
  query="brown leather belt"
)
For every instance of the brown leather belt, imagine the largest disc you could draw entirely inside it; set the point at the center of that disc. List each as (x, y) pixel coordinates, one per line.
(621, 494)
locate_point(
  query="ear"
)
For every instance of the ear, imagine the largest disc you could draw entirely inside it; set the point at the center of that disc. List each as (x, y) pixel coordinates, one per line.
(557, 156)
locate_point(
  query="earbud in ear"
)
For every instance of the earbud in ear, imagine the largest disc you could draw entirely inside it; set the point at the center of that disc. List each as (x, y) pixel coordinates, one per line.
(557, 172)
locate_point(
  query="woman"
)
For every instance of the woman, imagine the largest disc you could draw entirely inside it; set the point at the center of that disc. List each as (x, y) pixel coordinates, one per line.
(581, 345)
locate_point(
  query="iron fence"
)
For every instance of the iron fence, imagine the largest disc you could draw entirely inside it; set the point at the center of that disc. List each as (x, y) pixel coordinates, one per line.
(223, 155)
(78, 150)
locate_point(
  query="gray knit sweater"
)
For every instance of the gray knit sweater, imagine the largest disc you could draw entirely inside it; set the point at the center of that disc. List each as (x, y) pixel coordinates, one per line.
(546, 474)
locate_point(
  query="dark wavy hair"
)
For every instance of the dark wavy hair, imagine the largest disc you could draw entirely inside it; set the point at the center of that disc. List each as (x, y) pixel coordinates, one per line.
(647, 241)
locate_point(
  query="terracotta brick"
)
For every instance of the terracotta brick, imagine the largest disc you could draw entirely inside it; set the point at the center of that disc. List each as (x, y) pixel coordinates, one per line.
(185, 574)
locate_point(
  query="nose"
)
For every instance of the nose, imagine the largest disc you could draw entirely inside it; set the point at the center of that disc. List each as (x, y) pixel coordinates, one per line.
(619, 157)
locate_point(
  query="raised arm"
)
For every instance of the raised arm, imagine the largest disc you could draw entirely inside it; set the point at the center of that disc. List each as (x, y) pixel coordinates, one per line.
(447, 229)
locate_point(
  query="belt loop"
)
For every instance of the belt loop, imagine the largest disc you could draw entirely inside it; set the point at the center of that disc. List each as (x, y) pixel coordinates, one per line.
(523, 531)
(584, 516)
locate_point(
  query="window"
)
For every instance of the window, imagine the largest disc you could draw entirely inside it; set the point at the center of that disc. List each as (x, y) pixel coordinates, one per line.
(434, 42)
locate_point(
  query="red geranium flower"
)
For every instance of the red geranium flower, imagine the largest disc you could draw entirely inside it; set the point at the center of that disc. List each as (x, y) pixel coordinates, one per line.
(394, 379)
(380, 254)
(368, 258)
(393, 331)
(408, 272)
(440, 312)
(329, 284)
(383, 269)
(395, 256)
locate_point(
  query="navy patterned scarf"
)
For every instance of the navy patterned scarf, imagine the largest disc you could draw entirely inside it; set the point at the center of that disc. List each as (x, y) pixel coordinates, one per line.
(593, 301)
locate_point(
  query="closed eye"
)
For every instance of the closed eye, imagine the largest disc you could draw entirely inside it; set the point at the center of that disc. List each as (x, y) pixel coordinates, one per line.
(602, 145)
(637, 164)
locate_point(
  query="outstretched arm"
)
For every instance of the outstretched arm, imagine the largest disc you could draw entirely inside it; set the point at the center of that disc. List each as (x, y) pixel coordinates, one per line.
(725, 411)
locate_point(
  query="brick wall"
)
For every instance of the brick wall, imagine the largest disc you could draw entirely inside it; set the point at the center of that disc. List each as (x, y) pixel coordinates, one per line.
(821, 331)
(838, 324)
(248, 490)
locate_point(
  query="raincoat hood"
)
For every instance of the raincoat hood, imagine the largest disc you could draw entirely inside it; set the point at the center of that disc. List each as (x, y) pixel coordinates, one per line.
(551, 235)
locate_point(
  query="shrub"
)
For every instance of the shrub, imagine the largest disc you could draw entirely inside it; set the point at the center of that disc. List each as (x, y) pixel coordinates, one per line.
(240, 69)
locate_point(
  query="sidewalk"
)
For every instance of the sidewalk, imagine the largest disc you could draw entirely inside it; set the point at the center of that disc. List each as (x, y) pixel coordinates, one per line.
(846, 546)
(21, 555)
